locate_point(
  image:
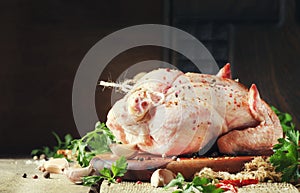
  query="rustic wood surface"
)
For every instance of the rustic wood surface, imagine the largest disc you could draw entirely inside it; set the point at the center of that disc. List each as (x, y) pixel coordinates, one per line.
(142, 167)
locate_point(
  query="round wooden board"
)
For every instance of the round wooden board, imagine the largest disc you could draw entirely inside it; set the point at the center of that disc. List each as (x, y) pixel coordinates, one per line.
(143, 165)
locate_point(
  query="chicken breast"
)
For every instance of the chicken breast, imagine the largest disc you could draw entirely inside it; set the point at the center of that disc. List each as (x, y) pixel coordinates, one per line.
(170, 112)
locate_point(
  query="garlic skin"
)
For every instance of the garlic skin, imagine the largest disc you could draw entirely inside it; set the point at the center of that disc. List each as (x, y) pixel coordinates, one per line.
(75, 174)
(161, 177)
(56, 165)
(129, 151)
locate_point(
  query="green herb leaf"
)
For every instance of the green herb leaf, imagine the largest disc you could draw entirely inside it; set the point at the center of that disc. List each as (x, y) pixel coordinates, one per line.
(68, 140)
(286, 155)
(212, 189)
(99, 139)
(51, 152)
(90, 180)
(118, 169)
(197, 185)
(105, 130)
(105, 172)
(197, 181)
(177, 182)
(84, 156)
(93, 143)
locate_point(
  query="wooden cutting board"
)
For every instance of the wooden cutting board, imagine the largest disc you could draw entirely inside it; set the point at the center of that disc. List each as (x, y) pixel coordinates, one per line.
(143, 165)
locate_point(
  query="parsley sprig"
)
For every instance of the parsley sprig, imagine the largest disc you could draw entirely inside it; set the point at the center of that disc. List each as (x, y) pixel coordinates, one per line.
(118, 169)
(197, 185)
(52, 152)
(93, 143)
(286, 157)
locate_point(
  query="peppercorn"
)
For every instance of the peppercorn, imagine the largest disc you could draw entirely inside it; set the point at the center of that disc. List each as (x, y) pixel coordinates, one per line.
(35, 176)
(46, 174)
(119, 180)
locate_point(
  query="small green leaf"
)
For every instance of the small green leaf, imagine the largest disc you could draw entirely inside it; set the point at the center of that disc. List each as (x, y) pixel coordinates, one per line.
(68, 140)
(212, 189)
(59, 142)
(287, 117)
(121, 164)
(90, 180)
(197, 181)
(114, 170)
(35, 151)
(105, 172)
(293, 136)
(197, 185)
(177, 182)
(58, 156)
(288, 173)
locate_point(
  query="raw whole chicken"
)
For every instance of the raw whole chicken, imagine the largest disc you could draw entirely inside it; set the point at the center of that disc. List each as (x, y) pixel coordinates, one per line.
(168, 112)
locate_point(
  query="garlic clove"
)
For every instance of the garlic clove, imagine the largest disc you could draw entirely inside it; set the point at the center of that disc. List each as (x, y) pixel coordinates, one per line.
(161, 177)
(127, 150)
(56, 165)
(99, 163)
(75, 174)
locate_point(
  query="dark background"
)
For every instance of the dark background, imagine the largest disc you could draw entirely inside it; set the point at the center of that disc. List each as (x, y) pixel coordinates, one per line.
(43, 43)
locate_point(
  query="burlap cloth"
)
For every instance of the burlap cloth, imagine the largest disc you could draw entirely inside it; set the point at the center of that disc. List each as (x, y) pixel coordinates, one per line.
(131, 187)
(12, 180)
